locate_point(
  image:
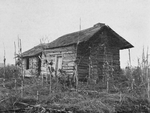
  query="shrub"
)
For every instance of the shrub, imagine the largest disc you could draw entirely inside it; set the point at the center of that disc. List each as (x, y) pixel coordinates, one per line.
(11, 71)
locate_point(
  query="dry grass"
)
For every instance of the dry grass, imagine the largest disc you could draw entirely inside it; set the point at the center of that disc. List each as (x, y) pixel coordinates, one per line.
(82, 101)
(131, 95)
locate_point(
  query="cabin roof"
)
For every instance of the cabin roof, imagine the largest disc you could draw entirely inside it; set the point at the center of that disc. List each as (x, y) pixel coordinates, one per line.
(33, 51)
(74, 38)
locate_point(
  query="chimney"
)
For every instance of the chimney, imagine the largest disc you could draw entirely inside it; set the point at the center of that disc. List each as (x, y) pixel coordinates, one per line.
(99, 25)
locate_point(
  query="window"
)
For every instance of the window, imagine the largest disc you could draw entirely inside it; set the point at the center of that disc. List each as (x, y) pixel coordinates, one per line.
(27, 63)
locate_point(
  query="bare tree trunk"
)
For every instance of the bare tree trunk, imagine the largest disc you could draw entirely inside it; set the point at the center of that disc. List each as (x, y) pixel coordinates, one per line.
(76, 76)
(21, 89)
(148, 92)
(4, 69)
(50, 80)
(147, 74)
(148, 83)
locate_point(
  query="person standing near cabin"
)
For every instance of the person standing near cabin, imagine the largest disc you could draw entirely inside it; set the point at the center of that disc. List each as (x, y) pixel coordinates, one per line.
(50, 69)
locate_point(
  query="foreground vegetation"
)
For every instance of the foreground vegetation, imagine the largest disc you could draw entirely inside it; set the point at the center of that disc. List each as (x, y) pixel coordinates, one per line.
(129, 93)
(69, 100)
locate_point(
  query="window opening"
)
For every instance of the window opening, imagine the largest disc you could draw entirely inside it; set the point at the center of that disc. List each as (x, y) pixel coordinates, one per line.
(27, 63)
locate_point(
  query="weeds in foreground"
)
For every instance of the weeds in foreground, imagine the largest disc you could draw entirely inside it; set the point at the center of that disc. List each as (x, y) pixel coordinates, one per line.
(130, 94)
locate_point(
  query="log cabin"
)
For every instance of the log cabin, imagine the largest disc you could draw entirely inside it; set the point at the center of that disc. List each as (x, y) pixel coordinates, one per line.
(87, 52)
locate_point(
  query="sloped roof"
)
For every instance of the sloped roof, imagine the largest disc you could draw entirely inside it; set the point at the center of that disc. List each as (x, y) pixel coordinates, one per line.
(33, 51)
(84, 35)
(123, 44)
(73, 38)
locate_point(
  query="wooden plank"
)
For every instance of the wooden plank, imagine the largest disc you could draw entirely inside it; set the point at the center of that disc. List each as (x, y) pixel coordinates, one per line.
(83, 62)
(83, 66)
(62, 49)
(53, 53)
(66, 55)
(68, 67)
(68, 60)
(94, 66)
(68, 64)
(82, 75)
(83, 70)
(69, 72)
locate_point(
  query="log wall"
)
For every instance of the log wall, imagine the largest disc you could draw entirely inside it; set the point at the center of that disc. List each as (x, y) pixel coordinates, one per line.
(67, 55)
(97, 58)
(83, 61)
(101, 52)
(33, 66)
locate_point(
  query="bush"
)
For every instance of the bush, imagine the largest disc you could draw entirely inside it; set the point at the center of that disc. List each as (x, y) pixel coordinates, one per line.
(11, 71)
(133, 105)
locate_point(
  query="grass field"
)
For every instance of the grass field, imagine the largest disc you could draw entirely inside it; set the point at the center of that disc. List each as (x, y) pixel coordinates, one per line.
(128, 93)
(83, 100)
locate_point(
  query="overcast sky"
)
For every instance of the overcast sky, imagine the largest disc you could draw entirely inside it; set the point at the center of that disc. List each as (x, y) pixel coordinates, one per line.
(32, 20)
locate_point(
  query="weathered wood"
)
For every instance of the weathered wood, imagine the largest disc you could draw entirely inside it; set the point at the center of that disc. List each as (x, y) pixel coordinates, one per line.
(68, 60)
(62, 49)
(84, 67)
(68, 63)
(69, 56)
(83, 70)
(69, 71)
(68, 67)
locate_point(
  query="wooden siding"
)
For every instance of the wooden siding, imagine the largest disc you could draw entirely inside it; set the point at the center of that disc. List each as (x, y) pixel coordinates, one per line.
(100, 53)
(33, 66)
(92, 56)
(68, 63)
(83, 61)
(68, 58)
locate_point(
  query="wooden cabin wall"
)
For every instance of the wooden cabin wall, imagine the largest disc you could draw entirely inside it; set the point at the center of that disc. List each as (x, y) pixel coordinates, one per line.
(113, 47)
(102, 51)
(83, 61)
(68, 56)
(97, 58)
(68, 63)
(115, 60)
(33, 66)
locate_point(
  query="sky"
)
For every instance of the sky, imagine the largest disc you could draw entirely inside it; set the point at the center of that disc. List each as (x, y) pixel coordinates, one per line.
(32, 20)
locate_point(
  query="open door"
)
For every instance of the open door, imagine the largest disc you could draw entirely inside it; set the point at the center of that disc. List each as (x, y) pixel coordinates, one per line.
(58, 63)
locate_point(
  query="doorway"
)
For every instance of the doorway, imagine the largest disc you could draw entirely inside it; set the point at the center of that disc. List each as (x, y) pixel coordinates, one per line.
(58, 65)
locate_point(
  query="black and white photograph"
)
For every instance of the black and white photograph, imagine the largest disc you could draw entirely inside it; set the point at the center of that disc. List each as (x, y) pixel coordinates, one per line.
(74, 56)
